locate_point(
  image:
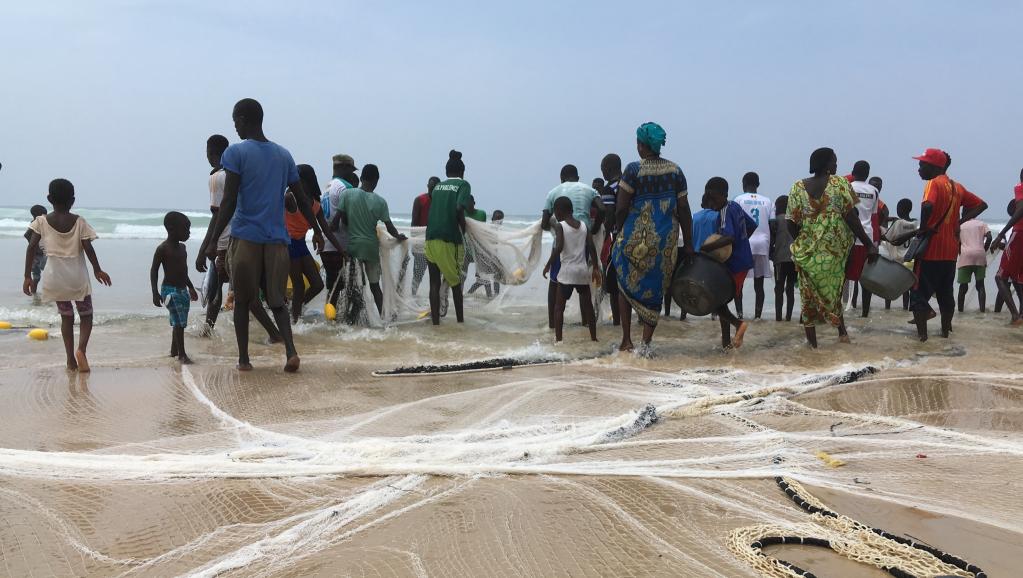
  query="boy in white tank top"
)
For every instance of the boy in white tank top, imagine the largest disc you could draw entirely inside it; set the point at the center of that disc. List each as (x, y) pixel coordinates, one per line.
(573, 245)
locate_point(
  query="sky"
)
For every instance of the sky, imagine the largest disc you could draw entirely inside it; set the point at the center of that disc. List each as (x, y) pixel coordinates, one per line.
(120, 96)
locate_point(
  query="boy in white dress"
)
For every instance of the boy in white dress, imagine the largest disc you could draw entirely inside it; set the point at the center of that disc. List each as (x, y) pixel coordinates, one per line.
(68, 240)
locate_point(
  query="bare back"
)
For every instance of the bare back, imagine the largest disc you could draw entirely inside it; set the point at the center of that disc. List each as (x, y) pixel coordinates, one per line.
(62, 222)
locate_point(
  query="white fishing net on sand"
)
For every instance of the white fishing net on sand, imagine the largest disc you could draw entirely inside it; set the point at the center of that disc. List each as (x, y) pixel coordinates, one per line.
(499, 259)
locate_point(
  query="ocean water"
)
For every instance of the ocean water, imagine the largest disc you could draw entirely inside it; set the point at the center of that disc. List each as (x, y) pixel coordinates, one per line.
(148, 223)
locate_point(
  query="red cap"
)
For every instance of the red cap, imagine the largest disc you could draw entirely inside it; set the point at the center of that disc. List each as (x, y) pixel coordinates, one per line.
(936, 157)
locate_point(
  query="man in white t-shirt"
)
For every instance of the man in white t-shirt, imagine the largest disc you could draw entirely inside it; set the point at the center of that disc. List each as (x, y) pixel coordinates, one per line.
(867, 197)
(760, 208)
(333, 257)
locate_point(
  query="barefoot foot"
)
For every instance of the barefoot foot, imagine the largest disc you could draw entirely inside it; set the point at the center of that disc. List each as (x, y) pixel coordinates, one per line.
(626, 346)
(292, 365)
(844, 339)
(244, 366)
(740, 334)
(83, 362)
(185, 360)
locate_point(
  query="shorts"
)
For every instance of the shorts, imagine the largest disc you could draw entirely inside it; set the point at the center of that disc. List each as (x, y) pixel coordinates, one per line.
(84, 307)
(740, 280)
(568, 290)
(38, 264)
(968, 272)
(448, 257)
(854, 266)
(555, 269)
(1011, 265)
(298, 249)
(255, 266)
(761, 267)
(177, 302)
(372, 270)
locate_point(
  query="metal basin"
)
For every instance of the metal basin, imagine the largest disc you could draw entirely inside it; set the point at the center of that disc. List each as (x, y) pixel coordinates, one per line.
(702, 286)
(887, 278)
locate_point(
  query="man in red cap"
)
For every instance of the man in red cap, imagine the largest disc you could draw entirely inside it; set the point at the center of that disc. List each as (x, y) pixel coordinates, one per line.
(940, 218)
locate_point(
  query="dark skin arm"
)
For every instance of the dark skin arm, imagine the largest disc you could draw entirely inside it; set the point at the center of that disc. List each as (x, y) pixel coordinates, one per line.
(901, 239)
(987, 241)
(154, 273)
(417, 209)
(852, 219)
(622, 205)
(973, 213)
(393, 231)
(200, 259)
(97, 271)
(1016, 216)
(460, 215)
(227, 208)
(545, 220)
(926, 208)
(598, 209)
(592, 260)
(559, 242)
(684, 214)
(29, 287)
(722, 241)
(318, 223)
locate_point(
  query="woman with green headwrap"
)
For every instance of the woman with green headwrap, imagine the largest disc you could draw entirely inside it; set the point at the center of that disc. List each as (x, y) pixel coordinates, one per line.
(651, 209)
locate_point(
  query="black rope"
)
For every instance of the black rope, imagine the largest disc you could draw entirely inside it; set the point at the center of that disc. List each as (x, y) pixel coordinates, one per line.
(502, 362)
(943, 556)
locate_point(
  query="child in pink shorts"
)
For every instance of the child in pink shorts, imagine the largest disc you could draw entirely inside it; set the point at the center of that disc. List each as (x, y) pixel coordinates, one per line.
(68, 241)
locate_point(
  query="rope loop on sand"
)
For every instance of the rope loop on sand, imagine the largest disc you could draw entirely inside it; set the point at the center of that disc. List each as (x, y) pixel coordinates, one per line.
(900, 557)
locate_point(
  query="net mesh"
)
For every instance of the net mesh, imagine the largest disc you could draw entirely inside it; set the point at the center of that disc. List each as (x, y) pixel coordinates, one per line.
(497, 262)
(514, 475)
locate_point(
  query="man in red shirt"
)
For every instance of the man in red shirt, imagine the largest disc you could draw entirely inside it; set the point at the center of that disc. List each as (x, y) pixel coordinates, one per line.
(940, 218)
(1010, 270)
(420, 213)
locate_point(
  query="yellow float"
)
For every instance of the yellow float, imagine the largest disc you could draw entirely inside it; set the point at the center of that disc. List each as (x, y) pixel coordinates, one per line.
(330, 312)
(5, 324)
(39, 334)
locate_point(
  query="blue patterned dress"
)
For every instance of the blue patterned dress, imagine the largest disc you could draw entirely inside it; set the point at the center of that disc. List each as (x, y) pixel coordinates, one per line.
(644, 252)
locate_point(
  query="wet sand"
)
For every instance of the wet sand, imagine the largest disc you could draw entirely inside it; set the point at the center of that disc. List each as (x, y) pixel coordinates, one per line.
(142, 468)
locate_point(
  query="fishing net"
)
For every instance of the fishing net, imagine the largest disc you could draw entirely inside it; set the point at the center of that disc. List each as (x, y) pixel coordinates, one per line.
(497, 263)
(589, 470)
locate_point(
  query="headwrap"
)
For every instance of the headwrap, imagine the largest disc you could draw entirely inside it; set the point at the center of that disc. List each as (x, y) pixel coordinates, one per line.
(652, 135)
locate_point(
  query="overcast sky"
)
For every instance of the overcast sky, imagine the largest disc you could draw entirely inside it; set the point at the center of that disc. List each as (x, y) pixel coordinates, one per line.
(120, 96)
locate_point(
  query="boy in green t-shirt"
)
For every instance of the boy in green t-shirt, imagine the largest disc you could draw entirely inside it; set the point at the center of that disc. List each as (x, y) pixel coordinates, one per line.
(361, 209)
(445, 224)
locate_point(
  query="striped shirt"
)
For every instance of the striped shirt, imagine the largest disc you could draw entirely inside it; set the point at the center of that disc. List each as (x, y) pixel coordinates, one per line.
(944, 244)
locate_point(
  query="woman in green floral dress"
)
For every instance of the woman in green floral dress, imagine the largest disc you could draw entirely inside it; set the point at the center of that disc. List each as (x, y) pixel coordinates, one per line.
(823, 219)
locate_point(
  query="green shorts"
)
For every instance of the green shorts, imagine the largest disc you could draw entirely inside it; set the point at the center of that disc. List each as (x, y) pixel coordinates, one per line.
(255, 266)
(372, 270)
(968, 272)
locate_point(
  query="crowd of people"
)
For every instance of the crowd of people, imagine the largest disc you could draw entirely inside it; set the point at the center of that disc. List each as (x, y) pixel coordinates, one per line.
(625, 237)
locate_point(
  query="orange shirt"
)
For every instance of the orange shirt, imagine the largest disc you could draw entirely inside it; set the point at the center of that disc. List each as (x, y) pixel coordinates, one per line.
(944, 245)
(296, 223)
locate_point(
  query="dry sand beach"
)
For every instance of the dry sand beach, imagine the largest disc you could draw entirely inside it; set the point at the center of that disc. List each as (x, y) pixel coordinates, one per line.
(146, 468)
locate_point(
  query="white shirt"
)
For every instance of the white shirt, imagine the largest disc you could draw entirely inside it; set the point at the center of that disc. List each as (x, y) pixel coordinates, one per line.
(330, 201)
(217, 182)
(760, 209)
(867, 206)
